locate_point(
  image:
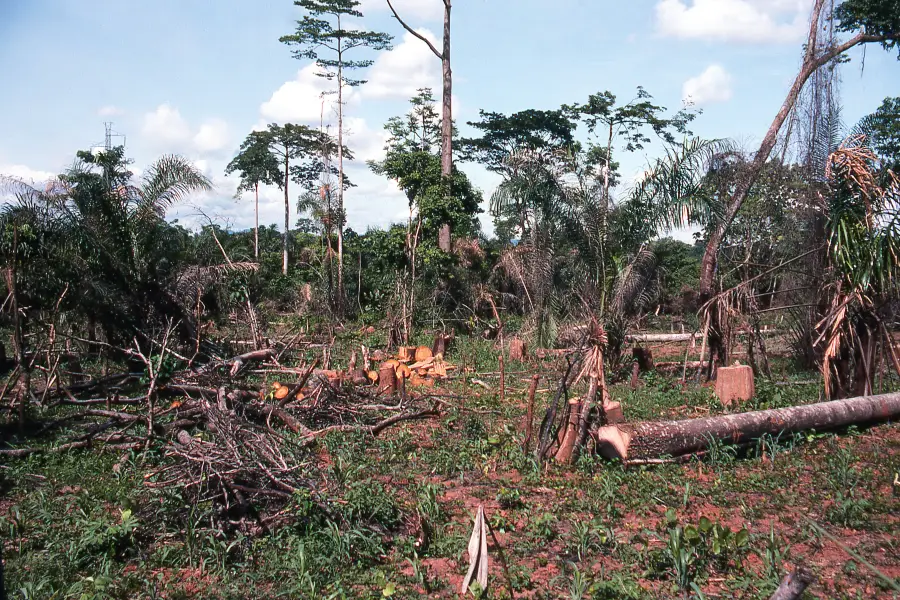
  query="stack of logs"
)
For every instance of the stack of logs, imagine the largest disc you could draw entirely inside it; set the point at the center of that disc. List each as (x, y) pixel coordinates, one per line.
(415, 366)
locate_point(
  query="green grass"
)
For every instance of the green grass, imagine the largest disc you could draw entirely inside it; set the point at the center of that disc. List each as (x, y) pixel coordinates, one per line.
(84, 525)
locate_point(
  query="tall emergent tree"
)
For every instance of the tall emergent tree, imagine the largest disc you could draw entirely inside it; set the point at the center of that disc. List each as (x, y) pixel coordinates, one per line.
(302, 145)
(444, 240)
(256, 165)
(871, 21)
(325, 35)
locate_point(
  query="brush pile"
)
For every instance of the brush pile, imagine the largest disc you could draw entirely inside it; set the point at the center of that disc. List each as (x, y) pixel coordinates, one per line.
(248, 447)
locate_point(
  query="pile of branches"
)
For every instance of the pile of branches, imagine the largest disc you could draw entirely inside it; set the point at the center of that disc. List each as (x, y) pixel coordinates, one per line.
(223, 439)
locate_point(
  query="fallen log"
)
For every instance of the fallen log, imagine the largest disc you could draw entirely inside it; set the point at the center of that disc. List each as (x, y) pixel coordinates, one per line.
(678, 337)
(652, 440)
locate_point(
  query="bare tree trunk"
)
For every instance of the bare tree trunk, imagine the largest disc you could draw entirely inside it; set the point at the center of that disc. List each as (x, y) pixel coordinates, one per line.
(287, 208)
(444, 237)
(340, 210)
(256, 228)
(653, 440)
(812, 61)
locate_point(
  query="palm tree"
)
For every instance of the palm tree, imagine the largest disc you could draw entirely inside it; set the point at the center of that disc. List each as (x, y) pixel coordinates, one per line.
(686, 186)
(863, 234)
(115, 249)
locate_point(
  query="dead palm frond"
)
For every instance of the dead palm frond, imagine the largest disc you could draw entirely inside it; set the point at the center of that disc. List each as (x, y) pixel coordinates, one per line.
(637, 286)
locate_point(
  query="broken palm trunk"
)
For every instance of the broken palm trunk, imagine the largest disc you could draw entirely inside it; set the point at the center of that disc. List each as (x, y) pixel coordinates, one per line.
(649, 441)
(575, 434)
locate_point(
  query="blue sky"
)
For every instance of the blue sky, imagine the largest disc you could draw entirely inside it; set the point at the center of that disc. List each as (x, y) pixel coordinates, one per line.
(195, 77)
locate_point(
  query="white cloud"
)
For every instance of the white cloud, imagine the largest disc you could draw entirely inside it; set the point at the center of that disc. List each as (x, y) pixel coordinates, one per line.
(710, 86)
(300, 100)
(110, 111)
(409, 66)
(26, 174)
(409, 10)
(747, 21)
(166, 127)
(366, 143)
(165, 130)
(213, 136)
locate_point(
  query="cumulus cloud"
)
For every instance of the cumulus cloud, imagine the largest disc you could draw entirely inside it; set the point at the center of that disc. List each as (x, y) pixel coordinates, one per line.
(300, 100)
(213, 136)
(744, 21)
(409, 66)
(26, 174)
(409, 10)
(366, 143)
(711, 86)
(164, 129)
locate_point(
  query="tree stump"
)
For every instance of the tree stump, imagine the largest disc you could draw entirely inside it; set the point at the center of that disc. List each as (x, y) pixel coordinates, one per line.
(735, 384)
(387, 380)
(643, 357)
(517, 349)
(635, 375)
(613, 412)
(359, 377)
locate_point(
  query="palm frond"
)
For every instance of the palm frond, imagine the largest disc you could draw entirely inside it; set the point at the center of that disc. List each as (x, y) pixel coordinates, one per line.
(671, 194)
(168, 181)
(637, 285)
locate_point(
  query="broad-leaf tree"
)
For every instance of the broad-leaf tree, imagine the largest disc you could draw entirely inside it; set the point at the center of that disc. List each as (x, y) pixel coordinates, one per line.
(298, 149)
(257, 166)
(631, 122)
(326, 34)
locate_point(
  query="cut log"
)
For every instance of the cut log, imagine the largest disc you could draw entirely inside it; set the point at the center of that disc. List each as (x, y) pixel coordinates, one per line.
(403, 372)
(735, 384)
(677, 337)
(423, 353)
(794, 584)
(517, 349)
(676, 438)
(661, 337)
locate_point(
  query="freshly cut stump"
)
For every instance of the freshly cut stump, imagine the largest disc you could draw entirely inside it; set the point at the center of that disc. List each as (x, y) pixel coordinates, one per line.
(735, 384)
(643, 358)
(647, 441)
(387, 380)
(517, 349)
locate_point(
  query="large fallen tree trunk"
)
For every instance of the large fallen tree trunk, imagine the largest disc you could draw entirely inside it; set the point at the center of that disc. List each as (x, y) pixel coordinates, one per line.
(678, 337)
(649, 440)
